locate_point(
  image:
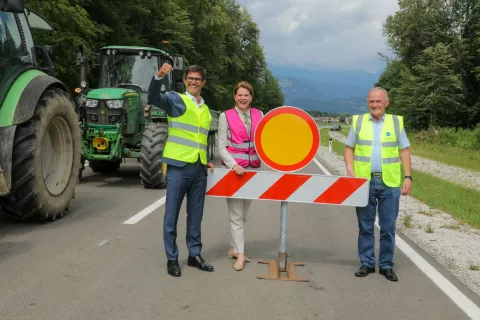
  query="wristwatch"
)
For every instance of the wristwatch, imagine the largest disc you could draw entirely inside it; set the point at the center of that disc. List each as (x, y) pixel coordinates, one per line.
(409, 177)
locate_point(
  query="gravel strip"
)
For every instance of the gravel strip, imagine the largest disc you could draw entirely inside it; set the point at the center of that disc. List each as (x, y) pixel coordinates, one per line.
(457, 175)
(447, 172)
(454, 245)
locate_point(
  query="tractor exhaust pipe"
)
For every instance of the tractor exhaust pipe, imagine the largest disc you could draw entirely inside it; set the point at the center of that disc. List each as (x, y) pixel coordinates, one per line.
(82, 65)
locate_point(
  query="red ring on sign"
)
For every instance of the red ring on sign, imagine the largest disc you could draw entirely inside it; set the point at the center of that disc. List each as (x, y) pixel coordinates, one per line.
(313, 127)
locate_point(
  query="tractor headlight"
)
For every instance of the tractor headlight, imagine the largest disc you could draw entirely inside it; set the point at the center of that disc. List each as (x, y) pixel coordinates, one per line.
(82, 98)
(91, 103)
(115, 104)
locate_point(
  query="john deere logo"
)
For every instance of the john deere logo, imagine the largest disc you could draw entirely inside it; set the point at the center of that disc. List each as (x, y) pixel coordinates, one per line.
(103, 112)
(388, 134)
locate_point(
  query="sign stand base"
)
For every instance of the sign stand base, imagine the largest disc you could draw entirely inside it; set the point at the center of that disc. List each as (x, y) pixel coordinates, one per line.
(274, 271)
(280, 264)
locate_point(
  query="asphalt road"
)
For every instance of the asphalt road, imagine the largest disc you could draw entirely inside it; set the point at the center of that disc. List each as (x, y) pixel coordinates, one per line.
(90, 265)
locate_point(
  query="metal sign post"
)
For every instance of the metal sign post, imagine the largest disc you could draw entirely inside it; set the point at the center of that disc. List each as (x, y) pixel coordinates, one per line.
(296, 153)
(281, 264)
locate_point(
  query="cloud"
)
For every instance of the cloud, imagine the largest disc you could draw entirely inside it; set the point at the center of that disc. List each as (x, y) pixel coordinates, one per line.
(322, 34)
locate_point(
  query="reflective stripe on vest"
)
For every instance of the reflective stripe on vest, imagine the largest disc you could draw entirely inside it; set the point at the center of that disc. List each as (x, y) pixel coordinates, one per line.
(391, 165)
(240, 144)
(188, 134)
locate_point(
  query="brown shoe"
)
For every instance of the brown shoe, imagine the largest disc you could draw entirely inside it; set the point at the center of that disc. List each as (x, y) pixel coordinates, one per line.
(233, 255)
(239, 265)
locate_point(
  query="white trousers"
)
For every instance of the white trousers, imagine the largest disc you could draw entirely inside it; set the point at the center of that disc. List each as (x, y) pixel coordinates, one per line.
(237, 210)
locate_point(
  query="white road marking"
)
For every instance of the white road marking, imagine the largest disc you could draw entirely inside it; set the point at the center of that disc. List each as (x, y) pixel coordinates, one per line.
(145, 212)
(461, 300)
(102, 243)
(325, 171)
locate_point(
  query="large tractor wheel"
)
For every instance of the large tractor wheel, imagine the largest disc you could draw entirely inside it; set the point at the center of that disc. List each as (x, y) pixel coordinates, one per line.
(104, 166)
(152, 170)
(46, 160)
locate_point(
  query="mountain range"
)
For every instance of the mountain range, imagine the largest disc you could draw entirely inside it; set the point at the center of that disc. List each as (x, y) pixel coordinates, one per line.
(335, 91)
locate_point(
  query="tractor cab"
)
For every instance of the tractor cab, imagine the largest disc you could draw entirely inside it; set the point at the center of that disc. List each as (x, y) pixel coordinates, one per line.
(13, 56)
(18, 52)
(125, 76)
(133, 68)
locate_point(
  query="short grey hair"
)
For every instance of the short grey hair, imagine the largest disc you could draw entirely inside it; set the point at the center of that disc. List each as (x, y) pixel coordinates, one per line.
(381, 89)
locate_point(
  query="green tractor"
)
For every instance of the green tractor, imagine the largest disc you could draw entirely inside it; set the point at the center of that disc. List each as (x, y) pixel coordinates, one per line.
(39, 136)
(114, 124)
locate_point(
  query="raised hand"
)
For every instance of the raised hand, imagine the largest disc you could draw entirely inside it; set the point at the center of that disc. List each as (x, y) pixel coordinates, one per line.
(164, 70)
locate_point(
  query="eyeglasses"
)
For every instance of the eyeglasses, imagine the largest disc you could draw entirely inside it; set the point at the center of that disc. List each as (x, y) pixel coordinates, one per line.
(190, 79)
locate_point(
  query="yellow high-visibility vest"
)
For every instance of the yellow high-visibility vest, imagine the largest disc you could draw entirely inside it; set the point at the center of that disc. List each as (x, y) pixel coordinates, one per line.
(391, 165)
(188, 134)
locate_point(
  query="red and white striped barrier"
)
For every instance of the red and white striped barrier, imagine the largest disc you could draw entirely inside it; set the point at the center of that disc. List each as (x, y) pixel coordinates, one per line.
(289, 187)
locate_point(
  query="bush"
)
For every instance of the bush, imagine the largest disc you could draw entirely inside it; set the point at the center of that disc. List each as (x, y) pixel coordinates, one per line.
(447, 137)
(429, 136)
(477, 134)
(467, 139)
(463, 139)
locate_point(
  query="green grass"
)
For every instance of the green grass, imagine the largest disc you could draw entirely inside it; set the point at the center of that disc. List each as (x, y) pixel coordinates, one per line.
(474, 267)
(460, 202)
(462, 158)
(429, 228)
(407, 221)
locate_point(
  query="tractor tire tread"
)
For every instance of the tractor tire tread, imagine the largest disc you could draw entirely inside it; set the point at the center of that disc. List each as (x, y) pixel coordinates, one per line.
(153, 142)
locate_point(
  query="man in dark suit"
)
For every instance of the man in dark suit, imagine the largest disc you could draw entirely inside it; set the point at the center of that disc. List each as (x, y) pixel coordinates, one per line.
(185, 154)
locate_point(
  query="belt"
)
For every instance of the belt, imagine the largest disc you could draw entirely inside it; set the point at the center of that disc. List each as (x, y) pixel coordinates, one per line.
(377, 174)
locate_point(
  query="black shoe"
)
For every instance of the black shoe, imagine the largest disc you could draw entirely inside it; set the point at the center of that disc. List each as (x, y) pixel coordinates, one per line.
(199, 263)
(364, 271)
(389, 274)
(173, 268)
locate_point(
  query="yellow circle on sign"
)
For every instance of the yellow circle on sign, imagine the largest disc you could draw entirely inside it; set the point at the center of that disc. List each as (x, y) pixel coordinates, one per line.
(287, 139)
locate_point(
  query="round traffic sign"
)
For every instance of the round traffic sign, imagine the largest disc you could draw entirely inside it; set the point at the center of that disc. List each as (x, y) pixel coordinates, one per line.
(287, 139)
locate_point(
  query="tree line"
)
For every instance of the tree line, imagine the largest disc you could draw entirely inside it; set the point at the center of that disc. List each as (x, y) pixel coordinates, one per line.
(219, 35)
(434, 80)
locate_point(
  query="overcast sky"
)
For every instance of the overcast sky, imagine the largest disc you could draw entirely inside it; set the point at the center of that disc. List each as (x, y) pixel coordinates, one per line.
(338, 34)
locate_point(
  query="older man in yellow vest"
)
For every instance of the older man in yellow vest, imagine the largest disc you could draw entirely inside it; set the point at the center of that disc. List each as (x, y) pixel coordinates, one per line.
(375, 149)
(185, 154)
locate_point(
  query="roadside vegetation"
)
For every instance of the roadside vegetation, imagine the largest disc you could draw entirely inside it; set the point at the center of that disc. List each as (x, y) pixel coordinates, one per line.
(434, 79)
(461, 149)
(220, 36)
(460, 202)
